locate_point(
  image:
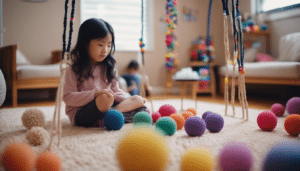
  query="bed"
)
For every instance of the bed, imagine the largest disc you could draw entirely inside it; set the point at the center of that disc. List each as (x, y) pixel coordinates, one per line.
(283, 71)
(19, 73)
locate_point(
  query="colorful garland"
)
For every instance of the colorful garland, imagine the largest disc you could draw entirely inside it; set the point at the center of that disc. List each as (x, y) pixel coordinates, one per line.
(171, 20)
(142, 44)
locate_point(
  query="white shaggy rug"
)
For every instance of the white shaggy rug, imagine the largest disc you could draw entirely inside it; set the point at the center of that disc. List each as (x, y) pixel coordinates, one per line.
(94, 148)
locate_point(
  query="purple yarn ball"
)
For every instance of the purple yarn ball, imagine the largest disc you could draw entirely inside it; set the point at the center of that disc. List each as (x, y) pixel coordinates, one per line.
(205, 114)
(293, 105)
(235, 156)
(214, 122)
(194, 126)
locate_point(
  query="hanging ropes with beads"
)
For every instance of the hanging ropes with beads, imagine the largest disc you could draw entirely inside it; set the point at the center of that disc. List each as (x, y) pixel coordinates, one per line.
(56, 126)
(237, 58)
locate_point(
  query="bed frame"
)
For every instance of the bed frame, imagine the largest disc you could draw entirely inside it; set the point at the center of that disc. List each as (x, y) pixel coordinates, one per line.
(8, 65)
(256, 80)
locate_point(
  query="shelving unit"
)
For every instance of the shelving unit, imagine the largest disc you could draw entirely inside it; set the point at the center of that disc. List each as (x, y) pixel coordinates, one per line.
(265, 34)
(212, 87)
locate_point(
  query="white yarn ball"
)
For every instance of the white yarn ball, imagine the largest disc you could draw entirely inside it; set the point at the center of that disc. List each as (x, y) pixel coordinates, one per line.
(37, 136)
(33, 117)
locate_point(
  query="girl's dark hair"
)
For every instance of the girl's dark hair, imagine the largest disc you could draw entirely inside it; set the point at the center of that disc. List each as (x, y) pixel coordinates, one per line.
(133, 65)
(89, 30)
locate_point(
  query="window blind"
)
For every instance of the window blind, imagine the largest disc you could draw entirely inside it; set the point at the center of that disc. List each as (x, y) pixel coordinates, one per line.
(123, 15)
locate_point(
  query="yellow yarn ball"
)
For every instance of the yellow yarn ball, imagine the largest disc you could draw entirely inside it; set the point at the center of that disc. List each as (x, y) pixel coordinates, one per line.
(197, 158)
(142, 149)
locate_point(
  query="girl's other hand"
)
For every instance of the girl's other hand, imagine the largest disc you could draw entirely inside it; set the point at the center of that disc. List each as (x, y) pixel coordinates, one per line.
(105, 91)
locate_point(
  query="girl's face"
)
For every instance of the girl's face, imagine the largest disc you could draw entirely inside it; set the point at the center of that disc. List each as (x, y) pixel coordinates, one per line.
(99, 49)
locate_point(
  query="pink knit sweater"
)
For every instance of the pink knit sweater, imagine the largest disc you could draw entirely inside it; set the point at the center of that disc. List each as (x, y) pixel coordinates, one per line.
(78, 95)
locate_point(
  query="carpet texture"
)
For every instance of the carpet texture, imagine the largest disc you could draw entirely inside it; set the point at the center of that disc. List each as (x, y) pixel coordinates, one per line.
(94, 148)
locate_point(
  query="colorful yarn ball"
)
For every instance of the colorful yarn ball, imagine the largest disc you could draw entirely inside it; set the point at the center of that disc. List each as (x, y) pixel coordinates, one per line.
(278, 109)
(192, 110)
(18, 157)
(263, 27)
(267, 121)
(155, 116)
(142, 117)
(187, 114)
(205, 114)
(37, 136)
(283, 156)
(214, 122)
(33, 117)
(114, 120)
(293, 105)
(48, 161)
(195, 126)
(142, 149)
(167, 110)
(197, 158)
(179, 119)
(166, 125)
(235, 156)
(292, 124)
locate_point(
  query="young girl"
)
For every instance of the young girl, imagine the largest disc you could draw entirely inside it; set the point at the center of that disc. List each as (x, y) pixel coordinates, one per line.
(91, 87)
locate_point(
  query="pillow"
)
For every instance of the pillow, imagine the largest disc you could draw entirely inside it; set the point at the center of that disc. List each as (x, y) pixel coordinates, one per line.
(262, 57)
(21, 59)
(250, 53)
(289, 47)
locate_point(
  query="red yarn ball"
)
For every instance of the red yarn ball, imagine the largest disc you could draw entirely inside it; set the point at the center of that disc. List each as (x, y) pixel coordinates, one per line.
(292, 124)
(167, 110)
(278, 109)
(155, 116)
(267, 120)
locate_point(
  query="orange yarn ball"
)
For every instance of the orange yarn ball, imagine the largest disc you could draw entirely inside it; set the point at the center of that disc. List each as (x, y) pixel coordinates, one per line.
(143, 50)
(192, 110)
(243, 71)
(179, 119)
(187, 114)
(48, 161)
(18, 156)
(291, 124)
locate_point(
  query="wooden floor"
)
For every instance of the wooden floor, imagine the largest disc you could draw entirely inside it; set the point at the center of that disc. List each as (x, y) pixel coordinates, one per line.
(254, 101)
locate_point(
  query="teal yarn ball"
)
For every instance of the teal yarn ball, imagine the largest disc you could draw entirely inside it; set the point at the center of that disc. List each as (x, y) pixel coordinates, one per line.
(167, 125)
(114, 120)
(142, 117)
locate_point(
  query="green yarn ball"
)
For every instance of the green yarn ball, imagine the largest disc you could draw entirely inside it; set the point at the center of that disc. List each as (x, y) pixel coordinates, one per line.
(167, 125)
(142, 117)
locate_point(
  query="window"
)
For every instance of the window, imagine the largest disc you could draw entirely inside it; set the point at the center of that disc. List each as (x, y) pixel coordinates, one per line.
(125, 18)
(276, 5)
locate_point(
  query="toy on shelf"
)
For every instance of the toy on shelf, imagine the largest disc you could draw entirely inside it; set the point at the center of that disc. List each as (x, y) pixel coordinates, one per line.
(249, 25)
(200, 51)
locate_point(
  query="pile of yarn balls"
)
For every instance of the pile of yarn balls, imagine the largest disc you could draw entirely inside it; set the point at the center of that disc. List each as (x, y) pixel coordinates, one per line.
(267, 120)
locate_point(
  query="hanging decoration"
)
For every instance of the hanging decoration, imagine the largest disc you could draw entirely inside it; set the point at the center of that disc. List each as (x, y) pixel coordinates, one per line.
(171, 20)
(237, 58)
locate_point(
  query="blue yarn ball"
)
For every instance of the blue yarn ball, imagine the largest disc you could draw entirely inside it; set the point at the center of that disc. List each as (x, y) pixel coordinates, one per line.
(142, 117)
(263, 27)
(283, 156)
(114, 120)
(214, 122)
(167, 125)
(194, 126)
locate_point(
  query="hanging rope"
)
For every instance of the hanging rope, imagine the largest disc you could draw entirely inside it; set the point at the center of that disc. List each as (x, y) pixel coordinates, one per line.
(56, 127)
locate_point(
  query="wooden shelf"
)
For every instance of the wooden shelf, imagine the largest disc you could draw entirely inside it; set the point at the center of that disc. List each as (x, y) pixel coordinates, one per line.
(200, 63)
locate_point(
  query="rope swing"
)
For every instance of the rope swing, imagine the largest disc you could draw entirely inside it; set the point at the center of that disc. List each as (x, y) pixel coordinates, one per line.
(56, 126)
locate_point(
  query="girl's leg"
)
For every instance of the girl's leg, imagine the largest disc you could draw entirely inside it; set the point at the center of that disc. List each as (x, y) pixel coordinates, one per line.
(104, 102)
(130, 104)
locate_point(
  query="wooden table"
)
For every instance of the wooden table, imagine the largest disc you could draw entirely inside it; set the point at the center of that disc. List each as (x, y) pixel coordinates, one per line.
(183, 91)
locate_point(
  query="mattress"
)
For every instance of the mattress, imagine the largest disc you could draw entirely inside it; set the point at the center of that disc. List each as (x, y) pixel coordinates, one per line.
(38, 71)
(273, 69)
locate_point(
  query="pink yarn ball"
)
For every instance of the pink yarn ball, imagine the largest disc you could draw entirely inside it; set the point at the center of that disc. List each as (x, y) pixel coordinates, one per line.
(155, 116)
(293, 105)
(167, 110)
(278, 109)
(236, 156)
(267, 120)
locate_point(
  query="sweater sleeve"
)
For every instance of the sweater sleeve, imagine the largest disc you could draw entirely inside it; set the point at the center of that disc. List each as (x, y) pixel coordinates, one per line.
(73, 97)
(120, 94)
